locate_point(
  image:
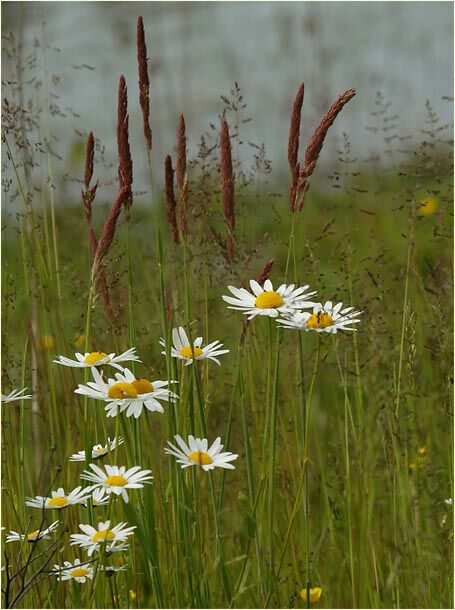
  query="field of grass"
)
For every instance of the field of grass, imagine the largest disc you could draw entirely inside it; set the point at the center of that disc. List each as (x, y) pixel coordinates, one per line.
(344, 474)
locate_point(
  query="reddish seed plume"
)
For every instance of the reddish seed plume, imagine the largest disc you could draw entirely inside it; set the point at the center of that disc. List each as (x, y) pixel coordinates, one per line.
(180, 175)
(88, 193)
(183, 208)
(227, 185)
(108, 232)
(293, 144)
(263, 275)
(180, 170)
(316, 143)
(317, 139)
(125, 170)
(89, 157)
(144, 83)
(170, 197)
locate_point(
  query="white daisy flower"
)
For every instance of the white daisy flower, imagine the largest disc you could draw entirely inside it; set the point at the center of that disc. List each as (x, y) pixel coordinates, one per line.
(90, 359)
(183, 350)
(15, 395)
(77, 571)
(448, 501)
(98, 451)
(99, 497)
(197, 454)
(59, 499)
(32, 536)
(117, 479)
(111, 570)
(127, 393)
(92, 538)
(268, 302)
(327, 318)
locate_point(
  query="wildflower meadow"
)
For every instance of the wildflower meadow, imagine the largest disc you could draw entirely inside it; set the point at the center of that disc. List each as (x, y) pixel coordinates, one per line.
(217, 393)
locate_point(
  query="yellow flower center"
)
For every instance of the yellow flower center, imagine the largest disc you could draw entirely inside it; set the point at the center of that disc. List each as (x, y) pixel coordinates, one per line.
(103, 536)
(143, 386)
(269, 300)
(94, 357)
(32, 536)
(191, 352)
(315, 594)
(200, 457)
(121, 389)
(319, 320)
(116, 480)
(58, 502)
(78, 572)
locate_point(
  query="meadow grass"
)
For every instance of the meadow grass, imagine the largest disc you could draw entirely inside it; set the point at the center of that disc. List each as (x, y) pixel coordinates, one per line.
(344, 441)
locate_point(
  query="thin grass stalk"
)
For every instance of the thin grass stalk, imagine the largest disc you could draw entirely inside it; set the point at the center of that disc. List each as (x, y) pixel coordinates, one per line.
(405, 307)
(272, 454)
(305, 468)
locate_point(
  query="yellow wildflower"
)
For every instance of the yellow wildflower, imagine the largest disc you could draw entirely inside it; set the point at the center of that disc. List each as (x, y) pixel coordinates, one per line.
(427, 206)
(315, 594)
(47, 342)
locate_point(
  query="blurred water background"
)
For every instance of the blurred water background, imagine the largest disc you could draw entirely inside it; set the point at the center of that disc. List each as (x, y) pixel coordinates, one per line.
(198, 50)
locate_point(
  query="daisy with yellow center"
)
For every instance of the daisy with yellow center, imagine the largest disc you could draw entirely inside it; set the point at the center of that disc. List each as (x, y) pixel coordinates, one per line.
(59, 499)
(98, 451)
(92, 539)
(315, 594)
(77, 571)
(326, 318)
(197, 453)
(127, 394)
(32, 536)
(265, 301)
(183, 349)
(117, 480)
(91, 359)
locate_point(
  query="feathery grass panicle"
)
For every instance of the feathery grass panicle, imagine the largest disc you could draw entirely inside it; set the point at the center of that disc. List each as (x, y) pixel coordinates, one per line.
(316, 143)
(125, 170)
(170, 197)
(144, 83)
(180, 169)
(88, 193)
(293, 144)
(227, 184)
(181, 175)
(108, 232)
(88, 196)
